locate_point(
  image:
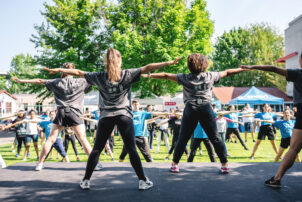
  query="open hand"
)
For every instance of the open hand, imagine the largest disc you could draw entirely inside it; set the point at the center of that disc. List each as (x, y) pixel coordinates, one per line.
(52, 71)
(16, 79)
(246, 67)
(176, 61)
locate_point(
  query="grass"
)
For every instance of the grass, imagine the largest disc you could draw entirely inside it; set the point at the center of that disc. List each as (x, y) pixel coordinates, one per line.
(264, 153)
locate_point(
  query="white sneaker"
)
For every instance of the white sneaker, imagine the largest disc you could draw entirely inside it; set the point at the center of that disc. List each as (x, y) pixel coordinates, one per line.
(85, 184)
(24, 159)
(98, 167)
(66, 159)
(39, 167)
(143, 185)
(14, 151)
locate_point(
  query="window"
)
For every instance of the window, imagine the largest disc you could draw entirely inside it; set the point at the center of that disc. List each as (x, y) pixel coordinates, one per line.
(8, 107)
(39, 107)
(25, 106)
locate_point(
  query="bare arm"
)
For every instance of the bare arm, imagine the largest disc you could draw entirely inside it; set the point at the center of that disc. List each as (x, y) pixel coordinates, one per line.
(231, 72)
(268, 68)
(32, 81)
(8, 117)
(162, 123)
(267, 121)
(163, 75)
(155, 66)
(73, 72)
(12, 125)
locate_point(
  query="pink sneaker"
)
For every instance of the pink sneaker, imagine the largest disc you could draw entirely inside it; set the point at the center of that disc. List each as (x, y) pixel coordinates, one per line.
(174, 169)
(224, 170)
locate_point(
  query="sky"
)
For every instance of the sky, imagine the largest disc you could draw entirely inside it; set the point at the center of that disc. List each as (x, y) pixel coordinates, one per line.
(18, 18)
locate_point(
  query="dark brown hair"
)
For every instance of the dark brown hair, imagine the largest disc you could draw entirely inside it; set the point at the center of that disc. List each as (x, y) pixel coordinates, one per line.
(197, 63)
(67, 65)
(114, 61)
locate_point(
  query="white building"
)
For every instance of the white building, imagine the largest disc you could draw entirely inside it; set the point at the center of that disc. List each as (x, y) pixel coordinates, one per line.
(8, 103)
(293, 48)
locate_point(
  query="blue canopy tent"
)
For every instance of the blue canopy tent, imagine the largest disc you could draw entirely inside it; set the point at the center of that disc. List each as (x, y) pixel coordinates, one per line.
(254, 96)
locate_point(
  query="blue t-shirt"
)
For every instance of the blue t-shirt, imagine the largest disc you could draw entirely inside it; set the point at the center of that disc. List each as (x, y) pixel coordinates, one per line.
(45, 117)
(199, 132)
(96, 114)
(139, 118)
(233, 117)
(265, 116)
(286, 127)
(47, 126)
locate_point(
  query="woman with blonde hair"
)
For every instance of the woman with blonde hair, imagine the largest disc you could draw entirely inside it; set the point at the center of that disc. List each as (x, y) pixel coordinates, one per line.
(115, 107)
(197, 90)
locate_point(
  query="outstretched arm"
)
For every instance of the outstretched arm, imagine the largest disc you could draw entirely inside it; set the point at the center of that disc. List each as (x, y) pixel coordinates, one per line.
(163, 75)
(231, 72)
(155, 66)
(73, 72)
(268, 68)
(32, 81)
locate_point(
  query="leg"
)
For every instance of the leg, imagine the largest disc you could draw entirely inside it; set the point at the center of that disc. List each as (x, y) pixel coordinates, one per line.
(55, 130)
(166, 139)
(188, 125)
(210, 149)
(159, 141)
(123, 154)
(105, 127)
(289, 158)
(35, 140)
(20, 140)
(195, 144)
(255, 147)
(142, 146)
(81, 135)
(281, 150)
(73, 143)
(274, 145)
(126, 128)
(236, 132)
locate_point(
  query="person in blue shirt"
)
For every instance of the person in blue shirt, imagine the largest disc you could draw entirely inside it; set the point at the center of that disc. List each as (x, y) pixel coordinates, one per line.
(58, 145)
(266, 129)
(286, 127)
(139, 118)
(201, 136)
(44, 117)
(233, 126)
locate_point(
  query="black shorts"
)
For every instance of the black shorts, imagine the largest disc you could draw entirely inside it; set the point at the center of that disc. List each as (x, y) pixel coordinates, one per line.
(285, 142)
(266, 130)
(248, 126)
(298, 124)
(67, 118)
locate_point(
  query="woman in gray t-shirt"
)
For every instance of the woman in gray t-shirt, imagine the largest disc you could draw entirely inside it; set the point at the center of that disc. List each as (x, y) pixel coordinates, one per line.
(295, 76)
(115, 107)
(197, 94)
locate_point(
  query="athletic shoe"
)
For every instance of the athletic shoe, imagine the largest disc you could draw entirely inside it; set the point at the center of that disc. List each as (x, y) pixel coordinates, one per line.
(78, 158)
(112, 159)
(251, 157)
(17, 155)
(273, 183)
(14, 151)
(98, 167)
(39, 167)
(167, 158)
(200, 153)
(174, 169)
(66, 159)
(224, 170)
(24, 159)
(254, 140)
(143, 185)
(85, 184)
(229, 155)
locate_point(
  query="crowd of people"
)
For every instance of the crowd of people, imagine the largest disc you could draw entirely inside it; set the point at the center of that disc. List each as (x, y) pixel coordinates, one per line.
(199, 121)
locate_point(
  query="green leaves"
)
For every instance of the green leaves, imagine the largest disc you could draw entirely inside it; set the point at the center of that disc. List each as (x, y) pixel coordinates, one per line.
(256, 44)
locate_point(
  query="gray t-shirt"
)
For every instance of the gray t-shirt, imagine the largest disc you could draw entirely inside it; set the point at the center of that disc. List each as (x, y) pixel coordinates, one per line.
(115, 98)
(198, 87)
(69, 91)
(295, 75)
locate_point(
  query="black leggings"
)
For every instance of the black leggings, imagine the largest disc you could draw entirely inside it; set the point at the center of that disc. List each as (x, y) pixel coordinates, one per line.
(205, 115)
(20, 140)
(66, 143)
(234, 131)
(126, 128)
(195, 143)
(174, 141)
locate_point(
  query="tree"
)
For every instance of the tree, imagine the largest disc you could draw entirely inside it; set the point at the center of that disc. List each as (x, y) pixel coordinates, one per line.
(254, 44)
(22, 66)
(73, 32)
(147, 31)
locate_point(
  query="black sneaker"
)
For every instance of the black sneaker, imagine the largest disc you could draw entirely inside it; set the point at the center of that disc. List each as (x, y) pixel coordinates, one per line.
(273, 183)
